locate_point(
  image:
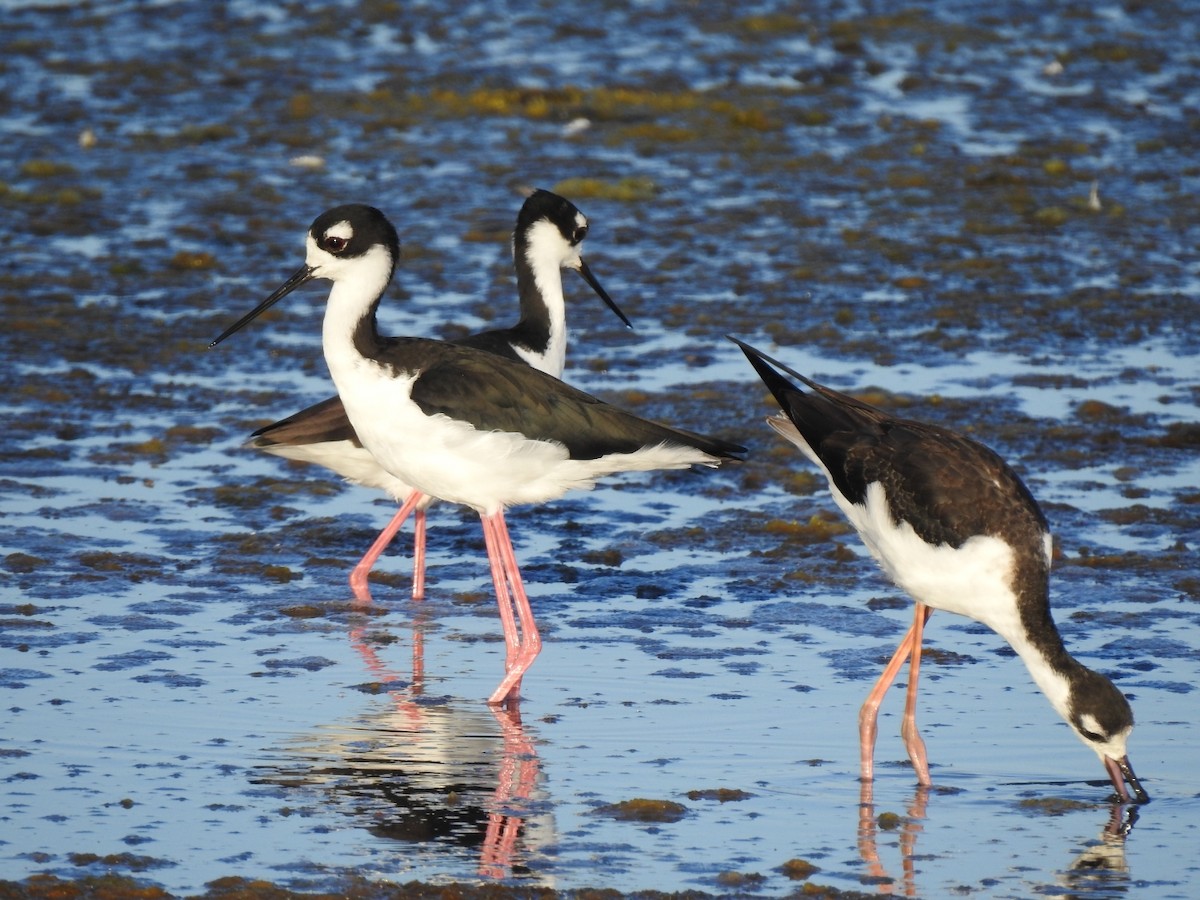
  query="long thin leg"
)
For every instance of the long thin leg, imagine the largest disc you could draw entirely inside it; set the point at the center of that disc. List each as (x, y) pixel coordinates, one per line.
(868, 715)
(418, 578)
(908, 726)
(507, 577)
(358, 577)
(508, 622)
(531, 639)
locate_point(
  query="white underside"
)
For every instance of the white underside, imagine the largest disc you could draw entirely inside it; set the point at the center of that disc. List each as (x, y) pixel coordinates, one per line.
(453, 461)
(973, 580)
(350, 461)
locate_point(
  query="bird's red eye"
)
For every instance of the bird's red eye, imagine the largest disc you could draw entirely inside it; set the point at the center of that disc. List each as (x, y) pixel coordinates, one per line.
(335, 244)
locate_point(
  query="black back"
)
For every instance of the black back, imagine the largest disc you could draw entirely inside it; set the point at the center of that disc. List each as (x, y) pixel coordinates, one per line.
(948, 487)
(496, 394)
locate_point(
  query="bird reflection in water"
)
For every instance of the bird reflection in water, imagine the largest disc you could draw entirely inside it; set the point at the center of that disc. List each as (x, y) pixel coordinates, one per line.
(427, 772)
(509, 805)
(1101, 869)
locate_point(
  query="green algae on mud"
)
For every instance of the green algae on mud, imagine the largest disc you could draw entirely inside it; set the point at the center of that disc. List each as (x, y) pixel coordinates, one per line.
(1054, 806)
(643, 810)
(799, 869)
(721, 795)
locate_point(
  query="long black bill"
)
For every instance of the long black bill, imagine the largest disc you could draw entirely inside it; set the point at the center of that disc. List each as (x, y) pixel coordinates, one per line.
(587, 276)
(1120, 772)
(302, 276)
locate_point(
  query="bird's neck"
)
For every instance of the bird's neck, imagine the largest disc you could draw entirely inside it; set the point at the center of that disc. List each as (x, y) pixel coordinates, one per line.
(1037, 642)
(1049, 673)
(543, 323)
(349, 333)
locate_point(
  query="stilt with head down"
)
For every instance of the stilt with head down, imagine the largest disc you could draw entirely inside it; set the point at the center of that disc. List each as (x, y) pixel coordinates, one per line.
(956, 528)
(548, 238)
(463, 425)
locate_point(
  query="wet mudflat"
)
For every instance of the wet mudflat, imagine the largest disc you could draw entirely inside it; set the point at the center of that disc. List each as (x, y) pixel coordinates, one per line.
(986, 220)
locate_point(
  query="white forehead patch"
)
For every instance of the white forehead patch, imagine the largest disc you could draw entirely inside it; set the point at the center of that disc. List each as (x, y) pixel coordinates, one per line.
(342, 229)
(1089, 723)
(580, 220)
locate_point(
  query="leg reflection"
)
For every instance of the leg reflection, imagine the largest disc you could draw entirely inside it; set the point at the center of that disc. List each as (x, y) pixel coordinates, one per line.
(909, 828)
(366, 650)
(519, 768)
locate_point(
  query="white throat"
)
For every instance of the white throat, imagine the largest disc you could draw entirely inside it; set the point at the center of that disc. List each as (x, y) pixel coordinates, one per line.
(544, 255)
(357, 286)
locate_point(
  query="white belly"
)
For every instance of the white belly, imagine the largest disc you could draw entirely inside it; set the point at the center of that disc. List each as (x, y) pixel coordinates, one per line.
(973, 580)
(445, 458)
(356, 464)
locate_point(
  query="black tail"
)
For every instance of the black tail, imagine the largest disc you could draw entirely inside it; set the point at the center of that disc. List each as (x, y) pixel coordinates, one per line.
(780, 387)
(817, 413)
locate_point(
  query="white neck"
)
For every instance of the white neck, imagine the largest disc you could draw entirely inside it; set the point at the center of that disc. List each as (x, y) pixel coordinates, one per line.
(1052, 683)
(544, 255)
(356, 289)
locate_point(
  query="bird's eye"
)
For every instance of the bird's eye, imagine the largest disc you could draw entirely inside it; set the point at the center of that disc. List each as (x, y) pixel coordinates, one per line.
(578, 234)
(335, 244)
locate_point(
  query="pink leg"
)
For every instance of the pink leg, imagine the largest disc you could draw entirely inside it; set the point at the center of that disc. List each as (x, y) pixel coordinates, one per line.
(418, 585)
(512, 638)
(868, 715)
(358, 577)
(531, 639)
(908, 727)
(529, 644)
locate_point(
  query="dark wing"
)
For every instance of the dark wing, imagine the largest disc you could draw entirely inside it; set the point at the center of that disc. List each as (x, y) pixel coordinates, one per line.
(495, 394)
(948, 487)
(323, 422)
(327, 421)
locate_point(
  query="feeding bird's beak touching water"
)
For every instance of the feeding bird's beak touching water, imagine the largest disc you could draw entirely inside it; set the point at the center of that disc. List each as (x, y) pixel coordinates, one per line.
(1120, 772)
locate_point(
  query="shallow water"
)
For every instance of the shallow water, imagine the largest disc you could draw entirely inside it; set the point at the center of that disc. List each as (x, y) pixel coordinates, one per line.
(896, 204)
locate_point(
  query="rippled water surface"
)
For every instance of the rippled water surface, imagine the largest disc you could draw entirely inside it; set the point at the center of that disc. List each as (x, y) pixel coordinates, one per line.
(986, 219)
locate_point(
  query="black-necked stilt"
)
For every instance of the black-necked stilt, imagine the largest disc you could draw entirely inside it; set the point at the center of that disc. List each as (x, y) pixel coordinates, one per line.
(466, 426)
(548, 237)
(954, 526)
